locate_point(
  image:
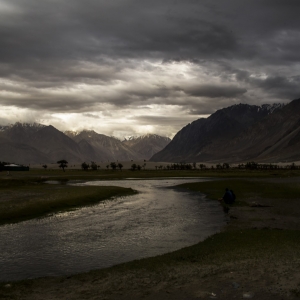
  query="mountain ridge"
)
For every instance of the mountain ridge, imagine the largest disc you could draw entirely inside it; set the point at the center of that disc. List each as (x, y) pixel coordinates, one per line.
(38, 143)
(216, 137)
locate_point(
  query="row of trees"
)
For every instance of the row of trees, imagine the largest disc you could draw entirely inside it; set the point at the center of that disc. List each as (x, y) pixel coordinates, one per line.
(85, 166)
(137, 167)
(191, 166)
(249, 165)
(179, 166)
(256, 166)
(114, 166)
(94, 166)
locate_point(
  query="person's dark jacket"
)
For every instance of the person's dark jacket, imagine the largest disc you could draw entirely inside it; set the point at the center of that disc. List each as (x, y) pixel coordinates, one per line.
(228, 198)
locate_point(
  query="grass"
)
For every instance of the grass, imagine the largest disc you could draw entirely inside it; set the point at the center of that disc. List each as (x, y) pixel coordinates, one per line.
(25, 196)
(227, 247)
(234, 246)
(23, 199)
(149, 173)
(246, 189)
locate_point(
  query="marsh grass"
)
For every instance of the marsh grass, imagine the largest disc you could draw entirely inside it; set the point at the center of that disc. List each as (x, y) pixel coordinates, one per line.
(21, 200)
(246, 189)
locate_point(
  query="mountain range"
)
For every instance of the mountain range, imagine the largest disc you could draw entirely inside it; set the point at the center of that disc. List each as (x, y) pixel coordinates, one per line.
(239, 133)
(35, 143)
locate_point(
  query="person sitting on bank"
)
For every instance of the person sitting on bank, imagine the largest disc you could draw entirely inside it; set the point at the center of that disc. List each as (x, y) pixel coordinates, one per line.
(228, 197)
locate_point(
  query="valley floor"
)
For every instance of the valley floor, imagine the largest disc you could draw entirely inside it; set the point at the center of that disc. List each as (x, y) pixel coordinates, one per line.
(256, 256)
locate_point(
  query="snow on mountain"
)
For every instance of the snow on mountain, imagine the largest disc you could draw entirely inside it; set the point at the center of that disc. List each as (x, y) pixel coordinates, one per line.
(33, 125)
(3, 128)
(147, 145)
(272, 107)
(71, 133)
(145, 136)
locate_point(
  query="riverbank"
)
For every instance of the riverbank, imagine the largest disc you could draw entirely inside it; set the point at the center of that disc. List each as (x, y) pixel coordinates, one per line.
(257, 256)
(24, 199)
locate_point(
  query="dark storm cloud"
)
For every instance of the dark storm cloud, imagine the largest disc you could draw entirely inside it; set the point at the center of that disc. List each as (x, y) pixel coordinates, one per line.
(58, 44)
(89, 29)
(172, 29)
(55, 103)
(214, 91)
(284, 86)
(280, 86)
(201, 111)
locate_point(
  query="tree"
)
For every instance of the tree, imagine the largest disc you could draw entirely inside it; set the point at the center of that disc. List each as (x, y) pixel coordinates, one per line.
(225, 166)
(94, 166)
(85, 166)
(139, 167)
(202, 166)
(63, 164)
(188, 167)
(45, 166)
(113, 165)
(133, 167)
(120, 166)
(251, 165)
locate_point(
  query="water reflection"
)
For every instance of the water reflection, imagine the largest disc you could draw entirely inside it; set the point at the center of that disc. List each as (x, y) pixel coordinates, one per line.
(157, 220)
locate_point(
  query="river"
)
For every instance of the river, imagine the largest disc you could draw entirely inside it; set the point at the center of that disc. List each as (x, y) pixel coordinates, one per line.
(157, 220)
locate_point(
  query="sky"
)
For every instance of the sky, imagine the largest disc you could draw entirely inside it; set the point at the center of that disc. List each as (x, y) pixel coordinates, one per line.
(131, 67)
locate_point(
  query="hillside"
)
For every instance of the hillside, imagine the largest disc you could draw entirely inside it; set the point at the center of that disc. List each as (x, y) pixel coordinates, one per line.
(107, 148)
(235, 133)
(38, 144)
(147, 145)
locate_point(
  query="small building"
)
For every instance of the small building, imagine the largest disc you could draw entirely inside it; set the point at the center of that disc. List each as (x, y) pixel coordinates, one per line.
(13, 167)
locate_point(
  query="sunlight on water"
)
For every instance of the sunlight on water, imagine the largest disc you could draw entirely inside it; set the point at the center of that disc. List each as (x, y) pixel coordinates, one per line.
(157, 220)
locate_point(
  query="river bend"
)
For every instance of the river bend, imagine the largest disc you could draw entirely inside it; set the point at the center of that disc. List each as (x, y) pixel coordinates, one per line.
(157, 220)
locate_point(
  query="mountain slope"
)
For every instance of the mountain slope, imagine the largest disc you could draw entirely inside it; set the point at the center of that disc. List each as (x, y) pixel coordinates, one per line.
(107, 148)
(55, 145)
(20, 153)
(207, 139)
(35, 143)
(89, 153)
(20, 132)
(147, 145)
(274, 138)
